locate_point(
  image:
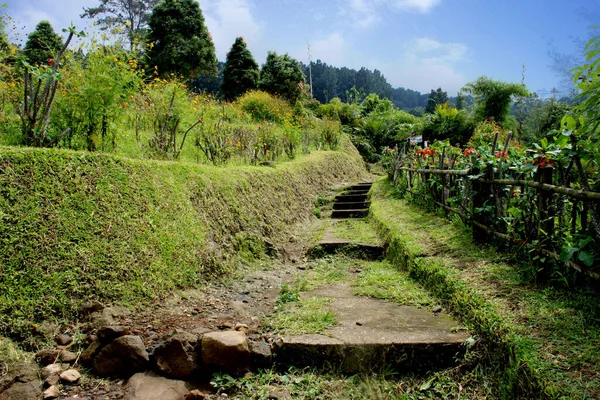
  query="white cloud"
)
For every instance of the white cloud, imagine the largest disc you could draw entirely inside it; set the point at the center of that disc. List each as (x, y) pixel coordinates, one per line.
(366, 13)
(228, 19)
(330, 49)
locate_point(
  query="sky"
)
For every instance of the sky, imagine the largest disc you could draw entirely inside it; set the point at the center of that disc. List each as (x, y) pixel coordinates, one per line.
(416, 44)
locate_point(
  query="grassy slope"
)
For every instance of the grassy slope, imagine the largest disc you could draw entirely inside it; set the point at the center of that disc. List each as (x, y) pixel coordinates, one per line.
(77, 226)
(543, 341)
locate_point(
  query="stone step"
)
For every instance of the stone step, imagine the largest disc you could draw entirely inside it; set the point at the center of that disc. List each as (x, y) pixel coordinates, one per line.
(363, 251)
(372, 334)
(360, 186)
(347, 192)
(350, 198)
(360, 213)
(350, 206)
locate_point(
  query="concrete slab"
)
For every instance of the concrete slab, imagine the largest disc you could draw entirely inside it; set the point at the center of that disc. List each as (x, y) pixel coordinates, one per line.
(373, 333)
(360, 213)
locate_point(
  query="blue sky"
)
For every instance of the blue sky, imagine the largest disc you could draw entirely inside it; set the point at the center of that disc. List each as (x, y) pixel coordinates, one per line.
(417, 44)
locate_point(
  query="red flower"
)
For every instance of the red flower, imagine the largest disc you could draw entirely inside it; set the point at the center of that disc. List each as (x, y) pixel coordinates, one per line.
(469, 151)
(502, 154)
(50, 62)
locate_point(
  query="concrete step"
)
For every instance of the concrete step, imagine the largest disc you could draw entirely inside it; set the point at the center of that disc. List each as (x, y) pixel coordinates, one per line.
(347, 192)
(360, 213)
(372, 334)
(350, 206)
(350, 198)
(363, 251)
(360, 186)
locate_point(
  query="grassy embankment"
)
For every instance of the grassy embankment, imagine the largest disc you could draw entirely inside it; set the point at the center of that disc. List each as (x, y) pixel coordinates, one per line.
(542, 342)
(76, 226)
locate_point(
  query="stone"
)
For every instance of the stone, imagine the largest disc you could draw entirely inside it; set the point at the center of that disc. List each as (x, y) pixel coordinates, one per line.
(70, 376)
(47, 356)
(279, 394)
(101, 318)
(436, 309)
(177, 356)
(51, 393)
(90, 307)
(52, 380)
(87, 356)
(242, 328)
(107, 334)
(18, 372)
(260, 354)
(195, 395)
(149, 386)
(22, 391)
(63, 340)
(67, 356)
(52, 369)
(226, 350)
(123, 357)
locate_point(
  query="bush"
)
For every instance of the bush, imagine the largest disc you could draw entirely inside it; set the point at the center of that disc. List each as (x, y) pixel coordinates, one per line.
(262, 106)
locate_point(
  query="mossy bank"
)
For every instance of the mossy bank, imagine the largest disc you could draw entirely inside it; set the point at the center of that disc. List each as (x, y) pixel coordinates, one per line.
(77, 226)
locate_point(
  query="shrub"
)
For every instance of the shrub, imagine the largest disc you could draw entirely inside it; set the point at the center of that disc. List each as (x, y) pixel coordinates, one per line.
(262, 106)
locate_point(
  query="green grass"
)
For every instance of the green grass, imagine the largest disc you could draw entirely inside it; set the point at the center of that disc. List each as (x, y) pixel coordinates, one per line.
(301, 315)
(543, 341)
(76, 226)
(357, 230)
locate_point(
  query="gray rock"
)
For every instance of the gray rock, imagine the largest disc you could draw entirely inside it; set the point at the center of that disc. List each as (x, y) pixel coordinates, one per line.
(125, 356)
(22, 391)
(260, 354)
(436, 309)
(87, 356)
(101, 318)
(177, 356)
(52, 380)
(51, 393)
(90, 307)
(195, 395)
(226, 350)
(107, 334)
(149, 386)
(70, 376)
(52, 369)
(47, 356)
(67, 356)
(19, 372)
(63, 340)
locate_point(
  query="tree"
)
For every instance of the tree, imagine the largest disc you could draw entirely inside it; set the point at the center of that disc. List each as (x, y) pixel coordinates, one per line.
(241, 71)
(42, 44)
(282, 75)
(179, 40)
(493, 98)
(435, 97)
(131, 15)
(461, 103)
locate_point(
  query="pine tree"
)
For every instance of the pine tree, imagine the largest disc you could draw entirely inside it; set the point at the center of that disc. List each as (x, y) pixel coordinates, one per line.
(42, 44)
(241, 71)
(180, 41)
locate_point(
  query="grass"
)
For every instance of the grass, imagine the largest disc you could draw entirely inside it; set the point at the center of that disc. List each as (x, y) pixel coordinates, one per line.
(543, 341)
(76, 226)
(299, 315)
(358, 230)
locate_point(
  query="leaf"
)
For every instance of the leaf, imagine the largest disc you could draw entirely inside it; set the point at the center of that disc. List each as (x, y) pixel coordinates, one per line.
(568, 123)
(567, 253)
(587, 258)
(426, 385)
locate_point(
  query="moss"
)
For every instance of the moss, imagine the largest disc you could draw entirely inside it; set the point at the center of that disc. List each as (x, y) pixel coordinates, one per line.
(76, 226)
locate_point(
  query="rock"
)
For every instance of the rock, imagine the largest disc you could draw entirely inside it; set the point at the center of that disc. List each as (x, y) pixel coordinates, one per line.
(22, 391)
(201, 330)
(90, 307)
(101, 318)
(195, 395)
(52, 380)
(18, 372)
(126, 355)
(436, 309)
(177, 356)
(226, 350)
(107, 334)
(260, 354)
(149, 386)
(51, 393)
(63, 340)
(279, 394)
(242, 328)
(47, 356)
(87, 356)
(52, 369)
(67, 356)
(70, 376)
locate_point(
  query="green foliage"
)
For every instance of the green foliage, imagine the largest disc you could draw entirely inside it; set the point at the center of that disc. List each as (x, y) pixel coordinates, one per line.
(436, 97)
(127, 16)
(373, 103)
(264, 107)
(282, 75)
(447, 123)
(43, 44)
(493, 98)
(180, 42)
(545, 116)
(241, 71)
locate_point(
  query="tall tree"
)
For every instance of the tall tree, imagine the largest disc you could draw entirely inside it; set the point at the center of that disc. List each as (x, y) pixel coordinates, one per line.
(42, 44)
(435, 97)
(461, 103)
(130, 15)
(241, 71)
(493, 98)
(180, 40)
(282, 75)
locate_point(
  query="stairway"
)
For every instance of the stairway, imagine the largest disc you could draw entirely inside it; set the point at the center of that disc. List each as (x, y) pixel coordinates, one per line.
(353, 202)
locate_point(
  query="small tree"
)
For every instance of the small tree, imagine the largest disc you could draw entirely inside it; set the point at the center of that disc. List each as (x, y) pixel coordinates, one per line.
(131, 15)
(179, 40)
(241, 71)
(493, 98)
(42, 44)
(282, 75)
(435, 97)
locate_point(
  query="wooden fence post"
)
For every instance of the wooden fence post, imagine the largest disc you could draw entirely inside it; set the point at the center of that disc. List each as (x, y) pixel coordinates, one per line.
(482, 194)
(546, 215)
